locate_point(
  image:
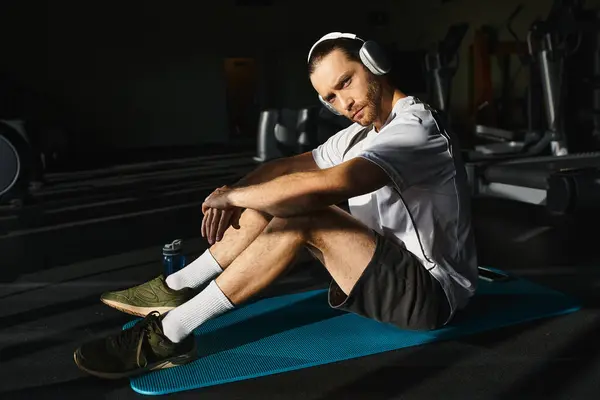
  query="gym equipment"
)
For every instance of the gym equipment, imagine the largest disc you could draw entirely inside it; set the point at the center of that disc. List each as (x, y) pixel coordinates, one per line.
(564, 185)
(16, 161)
(544, 172)
(297, 331)
(441, 65)
(10, 165)
(283, 132)
(371, 54)
(501, 139)
(286, 132)
(296, 132)
(562, 60)
(267, 148)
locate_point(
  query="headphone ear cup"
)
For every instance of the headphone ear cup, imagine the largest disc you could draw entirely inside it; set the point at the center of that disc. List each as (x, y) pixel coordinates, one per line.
(374, 58)
(329, 106)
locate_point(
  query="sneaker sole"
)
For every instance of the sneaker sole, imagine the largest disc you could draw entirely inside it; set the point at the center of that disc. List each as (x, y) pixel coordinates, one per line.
(170, 363)
(133, 310)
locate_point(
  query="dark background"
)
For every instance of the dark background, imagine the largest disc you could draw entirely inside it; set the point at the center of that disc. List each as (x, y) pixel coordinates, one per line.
(128, 75)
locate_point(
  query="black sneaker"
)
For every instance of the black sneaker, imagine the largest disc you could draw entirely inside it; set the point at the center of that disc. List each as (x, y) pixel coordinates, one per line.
(139, 349)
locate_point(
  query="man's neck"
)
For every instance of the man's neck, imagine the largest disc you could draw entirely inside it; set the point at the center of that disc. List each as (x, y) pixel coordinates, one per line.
(389, 99)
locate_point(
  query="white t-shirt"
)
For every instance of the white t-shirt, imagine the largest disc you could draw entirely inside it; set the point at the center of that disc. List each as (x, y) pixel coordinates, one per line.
(427, 207)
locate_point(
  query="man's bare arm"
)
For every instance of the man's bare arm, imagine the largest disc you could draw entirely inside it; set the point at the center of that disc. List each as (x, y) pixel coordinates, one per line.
(215, 222)
(283, 166)
(301, 192)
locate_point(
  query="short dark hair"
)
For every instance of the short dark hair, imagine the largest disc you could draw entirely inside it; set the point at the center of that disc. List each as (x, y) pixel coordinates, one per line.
(350, 47)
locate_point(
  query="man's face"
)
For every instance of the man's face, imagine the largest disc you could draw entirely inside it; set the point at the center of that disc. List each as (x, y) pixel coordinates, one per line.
(349, 87)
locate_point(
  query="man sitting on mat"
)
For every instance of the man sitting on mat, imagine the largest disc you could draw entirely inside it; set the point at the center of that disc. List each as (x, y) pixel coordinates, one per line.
(404, 255)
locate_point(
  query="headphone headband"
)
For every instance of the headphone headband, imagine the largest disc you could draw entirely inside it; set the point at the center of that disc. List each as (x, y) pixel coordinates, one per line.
(330, 36)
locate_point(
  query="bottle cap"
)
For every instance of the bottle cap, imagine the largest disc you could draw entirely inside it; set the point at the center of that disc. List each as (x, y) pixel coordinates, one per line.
(172, 248)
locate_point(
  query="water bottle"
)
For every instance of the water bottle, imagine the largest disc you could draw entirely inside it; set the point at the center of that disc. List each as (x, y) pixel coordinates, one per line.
(173, 258)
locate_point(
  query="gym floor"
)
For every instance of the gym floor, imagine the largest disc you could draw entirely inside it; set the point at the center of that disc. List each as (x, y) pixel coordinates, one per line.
(49, 302)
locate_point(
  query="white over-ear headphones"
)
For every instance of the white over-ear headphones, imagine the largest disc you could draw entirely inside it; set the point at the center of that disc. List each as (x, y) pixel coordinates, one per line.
(371, 54)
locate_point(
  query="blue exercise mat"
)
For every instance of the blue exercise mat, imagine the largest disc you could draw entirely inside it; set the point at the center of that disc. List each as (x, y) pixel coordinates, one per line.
(298, 331)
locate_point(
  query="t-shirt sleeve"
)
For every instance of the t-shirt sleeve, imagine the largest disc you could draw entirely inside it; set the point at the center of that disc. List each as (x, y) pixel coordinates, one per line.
(331, 152)
(402, 147)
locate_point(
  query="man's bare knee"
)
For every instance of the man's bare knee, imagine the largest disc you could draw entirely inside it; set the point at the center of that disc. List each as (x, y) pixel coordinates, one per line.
(311, 225)
(255, 214)
(300, 222)
(291, 225)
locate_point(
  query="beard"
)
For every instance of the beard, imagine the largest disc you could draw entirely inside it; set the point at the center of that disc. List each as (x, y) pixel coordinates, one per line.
(372, 104)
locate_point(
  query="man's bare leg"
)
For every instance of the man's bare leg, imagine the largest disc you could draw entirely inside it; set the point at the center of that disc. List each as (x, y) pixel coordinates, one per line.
(344, 245)
(213, 261)
(196, 275)
(235, 241)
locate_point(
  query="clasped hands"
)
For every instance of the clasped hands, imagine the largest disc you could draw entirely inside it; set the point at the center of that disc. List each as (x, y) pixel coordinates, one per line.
(219, 215)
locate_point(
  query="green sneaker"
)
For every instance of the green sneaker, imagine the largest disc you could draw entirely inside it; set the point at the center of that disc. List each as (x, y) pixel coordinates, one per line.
(141, 348)
(153, 295)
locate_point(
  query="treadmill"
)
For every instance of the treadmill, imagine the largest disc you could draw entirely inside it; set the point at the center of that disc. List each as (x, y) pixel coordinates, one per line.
(441, 64)
(562, 182)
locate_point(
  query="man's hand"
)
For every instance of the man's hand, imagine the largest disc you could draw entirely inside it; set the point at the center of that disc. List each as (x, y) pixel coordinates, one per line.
(219, 215)
(219, 199)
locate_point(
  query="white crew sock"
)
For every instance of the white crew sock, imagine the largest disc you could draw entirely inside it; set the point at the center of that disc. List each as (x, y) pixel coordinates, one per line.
(200, 271)
(208, 304)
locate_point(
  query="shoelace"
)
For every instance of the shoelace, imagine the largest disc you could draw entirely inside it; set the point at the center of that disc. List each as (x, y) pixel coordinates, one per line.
(136, 335)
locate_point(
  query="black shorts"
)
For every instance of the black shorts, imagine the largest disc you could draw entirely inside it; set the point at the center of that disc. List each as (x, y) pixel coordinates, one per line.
(395, 288)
